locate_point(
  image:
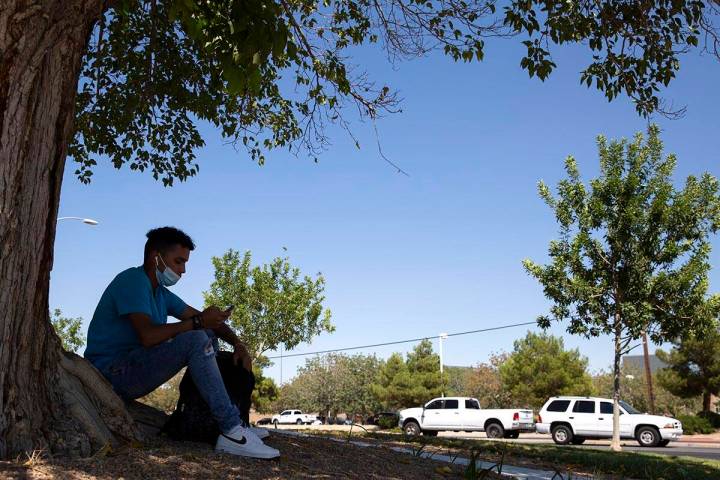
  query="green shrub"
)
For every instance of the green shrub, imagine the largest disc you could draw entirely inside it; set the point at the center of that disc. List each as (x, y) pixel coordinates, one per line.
(693, 424)
(712, 417)
(386, 422)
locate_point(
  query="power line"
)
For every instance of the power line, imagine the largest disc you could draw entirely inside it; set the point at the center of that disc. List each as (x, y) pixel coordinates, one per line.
(456, 334)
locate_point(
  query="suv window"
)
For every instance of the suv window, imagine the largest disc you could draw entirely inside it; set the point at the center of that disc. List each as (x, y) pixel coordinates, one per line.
(472, 404)
(606, 407)
(450, 404)
(558, 406)
(584, 406)
(435, 405)
(297, 412)
(286, 412)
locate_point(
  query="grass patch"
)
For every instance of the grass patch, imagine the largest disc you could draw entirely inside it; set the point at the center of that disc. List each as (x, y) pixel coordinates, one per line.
(641, 466)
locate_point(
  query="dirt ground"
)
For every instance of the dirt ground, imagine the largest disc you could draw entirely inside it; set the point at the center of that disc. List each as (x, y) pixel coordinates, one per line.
(302, 458)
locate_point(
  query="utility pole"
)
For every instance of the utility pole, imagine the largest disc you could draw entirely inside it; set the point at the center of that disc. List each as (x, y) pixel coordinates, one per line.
(442, 337)
(648, 373)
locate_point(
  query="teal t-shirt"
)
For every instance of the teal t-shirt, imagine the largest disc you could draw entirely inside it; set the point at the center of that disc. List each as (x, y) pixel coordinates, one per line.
(111, 333)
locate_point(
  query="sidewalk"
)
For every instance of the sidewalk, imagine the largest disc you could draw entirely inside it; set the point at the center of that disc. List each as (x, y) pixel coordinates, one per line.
(711, 438)
(520, 473)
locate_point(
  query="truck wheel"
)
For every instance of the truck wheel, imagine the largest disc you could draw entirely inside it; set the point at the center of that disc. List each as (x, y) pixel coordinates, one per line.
(512, 435)
(562, 434)
(494, 430)
(412, 429)
(664, 443)
(430, 433)
(299, 422)
(648, 437)
(275, 422)
(578, 440)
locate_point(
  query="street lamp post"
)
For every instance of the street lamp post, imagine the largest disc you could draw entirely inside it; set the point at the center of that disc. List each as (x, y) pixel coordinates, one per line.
(88, 221)
(442, 337)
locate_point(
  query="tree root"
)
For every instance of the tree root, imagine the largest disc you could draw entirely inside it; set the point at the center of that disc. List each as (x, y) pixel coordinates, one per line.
(92, 415)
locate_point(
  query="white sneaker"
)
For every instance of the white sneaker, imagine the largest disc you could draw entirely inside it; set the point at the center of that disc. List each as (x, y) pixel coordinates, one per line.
(244, 442)
(260, 432)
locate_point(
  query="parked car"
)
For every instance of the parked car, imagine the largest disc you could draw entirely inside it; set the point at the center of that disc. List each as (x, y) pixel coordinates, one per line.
(462, 413)
(293, 416)
(337, 421)
(574, 419)
(384, 419)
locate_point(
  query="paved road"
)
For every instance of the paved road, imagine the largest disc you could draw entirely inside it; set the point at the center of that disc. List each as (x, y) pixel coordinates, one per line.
(689, 449)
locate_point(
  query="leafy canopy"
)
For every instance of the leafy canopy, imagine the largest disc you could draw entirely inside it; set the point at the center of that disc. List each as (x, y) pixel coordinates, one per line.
(273, 74)
(632, 253)
(274, 304)
(635, 46)
(539, 367)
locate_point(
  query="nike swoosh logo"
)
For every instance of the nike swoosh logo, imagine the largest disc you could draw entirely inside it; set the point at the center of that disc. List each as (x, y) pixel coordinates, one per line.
(242, 441)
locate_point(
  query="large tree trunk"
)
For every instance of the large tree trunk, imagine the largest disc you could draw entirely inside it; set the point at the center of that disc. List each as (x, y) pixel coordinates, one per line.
(49, 400)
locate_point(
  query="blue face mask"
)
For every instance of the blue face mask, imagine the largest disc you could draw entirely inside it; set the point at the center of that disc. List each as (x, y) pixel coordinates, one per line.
(167, 277)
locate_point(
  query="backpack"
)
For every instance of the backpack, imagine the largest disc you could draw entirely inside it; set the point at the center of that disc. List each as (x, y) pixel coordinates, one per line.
(192, 420)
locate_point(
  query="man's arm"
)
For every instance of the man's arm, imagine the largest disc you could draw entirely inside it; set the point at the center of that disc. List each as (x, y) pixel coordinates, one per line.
(223, 331)
(151, 334)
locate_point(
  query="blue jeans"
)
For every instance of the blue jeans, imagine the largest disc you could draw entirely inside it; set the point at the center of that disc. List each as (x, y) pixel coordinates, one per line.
(142, 370)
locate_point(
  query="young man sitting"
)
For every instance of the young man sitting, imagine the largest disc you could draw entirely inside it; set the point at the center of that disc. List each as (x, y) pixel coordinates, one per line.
(133, 346)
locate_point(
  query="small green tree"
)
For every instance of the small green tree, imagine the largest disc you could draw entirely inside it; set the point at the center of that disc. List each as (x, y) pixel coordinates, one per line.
(693, 367)
(68, 329)
(274, 305)
(357, 374)
(632, 256)
(392, 383)
(539, 367)
(409, 383)
(266, 391)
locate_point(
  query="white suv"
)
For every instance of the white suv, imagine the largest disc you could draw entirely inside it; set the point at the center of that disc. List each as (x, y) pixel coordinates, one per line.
(573, 419)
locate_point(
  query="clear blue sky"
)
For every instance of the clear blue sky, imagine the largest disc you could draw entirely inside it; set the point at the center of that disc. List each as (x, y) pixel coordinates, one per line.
(403, 257)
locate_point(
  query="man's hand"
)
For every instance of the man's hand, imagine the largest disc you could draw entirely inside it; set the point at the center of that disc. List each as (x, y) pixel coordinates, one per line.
(241, 354)
(213, 317)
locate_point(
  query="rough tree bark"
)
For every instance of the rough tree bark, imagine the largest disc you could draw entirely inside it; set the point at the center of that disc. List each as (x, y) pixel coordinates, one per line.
(49, 400)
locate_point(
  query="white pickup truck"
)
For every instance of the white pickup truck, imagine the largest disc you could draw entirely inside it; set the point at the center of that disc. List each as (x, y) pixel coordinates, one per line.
(464, 414)
(293, 416)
